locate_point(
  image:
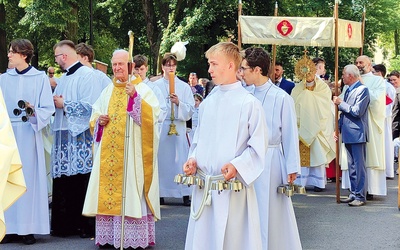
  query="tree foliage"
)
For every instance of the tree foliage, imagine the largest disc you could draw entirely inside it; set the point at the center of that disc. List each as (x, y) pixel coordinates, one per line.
(157, 25)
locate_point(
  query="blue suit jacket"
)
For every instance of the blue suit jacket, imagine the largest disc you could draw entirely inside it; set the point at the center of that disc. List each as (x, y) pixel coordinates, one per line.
(353, 122)
(286, 85)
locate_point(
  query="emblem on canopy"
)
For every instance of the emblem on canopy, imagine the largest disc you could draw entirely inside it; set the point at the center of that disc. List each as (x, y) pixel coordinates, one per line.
(284, 27)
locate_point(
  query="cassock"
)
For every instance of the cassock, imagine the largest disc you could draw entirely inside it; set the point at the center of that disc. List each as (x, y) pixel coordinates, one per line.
(30, 214)
(315, 120)
(104, 196)
(375, 148)
(231, 129)
(71, 157)
(12, 183)
(276, 210)
(174, 148)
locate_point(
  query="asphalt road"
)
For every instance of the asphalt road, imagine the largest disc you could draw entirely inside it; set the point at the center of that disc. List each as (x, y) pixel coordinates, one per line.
(323, 224)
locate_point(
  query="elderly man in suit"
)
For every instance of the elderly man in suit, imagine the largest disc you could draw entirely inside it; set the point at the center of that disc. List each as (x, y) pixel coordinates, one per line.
(353, 125)
(280, 81)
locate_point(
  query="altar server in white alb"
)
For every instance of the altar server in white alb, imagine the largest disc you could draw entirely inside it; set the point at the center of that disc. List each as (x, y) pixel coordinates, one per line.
(230, 142)
(174, 148)
(282, 161)
(30, 214)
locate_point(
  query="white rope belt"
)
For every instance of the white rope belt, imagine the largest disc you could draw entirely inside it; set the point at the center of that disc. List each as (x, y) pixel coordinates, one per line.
(206, 199)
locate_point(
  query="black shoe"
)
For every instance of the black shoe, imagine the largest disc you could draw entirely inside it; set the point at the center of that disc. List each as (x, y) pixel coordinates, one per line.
(28, 239)
(318, 189)
(370, 197)
(186, 201)
(347, 200)
(162, 202)
(106, 246)
(357, 203)
(9, 238)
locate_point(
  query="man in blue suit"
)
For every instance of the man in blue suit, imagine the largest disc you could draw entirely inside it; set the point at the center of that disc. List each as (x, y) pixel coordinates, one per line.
(353, 125)
(280, 81)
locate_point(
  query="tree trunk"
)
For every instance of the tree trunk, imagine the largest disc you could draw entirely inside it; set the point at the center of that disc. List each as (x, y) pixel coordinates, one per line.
(396, 43)
(3, 40)
(72, 26)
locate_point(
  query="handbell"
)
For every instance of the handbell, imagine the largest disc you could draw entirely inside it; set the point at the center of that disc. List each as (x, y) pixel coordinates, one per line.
(190, 180)
(178, 179)
(25, 118)
(29, 111)
(289, 191)
(200, 183)
(299, 189)
(23, 104)
(17, 111)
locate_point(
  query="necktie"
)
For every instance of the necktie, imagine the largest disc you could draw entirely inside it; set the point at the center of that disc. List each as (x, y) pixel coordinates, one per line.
(346, 94)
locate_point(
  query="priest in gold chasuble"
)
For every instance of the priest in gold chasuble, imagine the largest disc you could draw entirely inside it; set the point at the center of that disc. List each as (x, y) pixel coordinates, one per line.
(104, 195)
(315, 121)
(12, 182)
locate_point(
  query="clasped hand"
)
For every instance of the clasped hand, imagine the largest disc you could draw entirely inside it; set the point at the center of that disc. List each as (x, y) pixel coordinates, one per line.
(130, 89)
(228, 170)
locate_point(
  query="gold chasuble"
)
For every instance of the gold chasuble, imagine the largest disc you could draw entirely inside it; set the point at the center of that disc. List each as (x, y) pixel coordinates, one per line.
(12, 182)
(112, 152)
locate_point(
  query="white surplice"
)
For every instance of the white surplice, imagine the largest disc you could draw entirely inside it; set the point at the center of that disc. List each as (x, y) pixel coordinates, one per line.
(173, 149)
(231, 128)
(30, 214)
(276, 210)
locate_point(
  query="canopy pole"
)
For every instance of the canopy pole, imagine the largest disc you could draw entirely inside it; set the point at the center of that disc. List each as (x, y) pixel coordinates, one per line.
(239, 30)
(362, 32)
(336, 16)
(272, 73)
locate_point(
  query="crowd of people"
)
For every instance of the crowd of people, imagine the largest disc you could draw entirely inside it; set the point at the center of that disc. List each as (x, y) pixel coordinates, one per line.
(118, 143)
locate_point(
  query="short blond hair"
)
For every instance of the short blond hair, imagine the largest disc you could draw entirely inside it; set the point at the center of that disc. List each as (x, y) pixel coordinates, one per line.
(227, 49)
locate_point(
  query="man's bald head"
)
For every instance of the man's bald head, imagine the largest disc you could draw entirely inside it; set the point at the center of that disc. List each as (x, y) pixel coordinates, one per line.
(363, 64)
(119, 64)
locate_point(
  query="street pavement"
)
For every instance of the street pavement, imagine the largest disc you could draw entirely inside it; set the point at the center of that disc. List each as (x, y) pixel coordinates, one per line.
(322, 223)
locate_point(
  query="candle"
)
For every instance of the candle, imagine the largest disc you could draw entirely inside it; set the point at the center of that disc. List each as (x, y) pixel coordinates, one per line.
(171, 82)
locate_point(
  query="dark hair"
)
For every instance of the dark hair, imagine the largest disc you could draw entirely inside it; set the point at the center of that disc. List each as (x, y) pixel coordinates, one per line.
(317, 60)
(23, 47)
(168, 57)
(140, 60)
(85, 50)
(395, 73)
(200, 97)
(258, 57)
(279, 63)
(68, 43)
(380, 68)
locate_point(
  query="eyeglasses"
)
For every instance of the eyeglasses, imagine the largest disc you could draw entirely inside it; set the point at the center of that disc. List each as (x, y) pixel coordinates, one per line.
(242, 69)
(51, 73)
(55, 56)
(170, 66)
